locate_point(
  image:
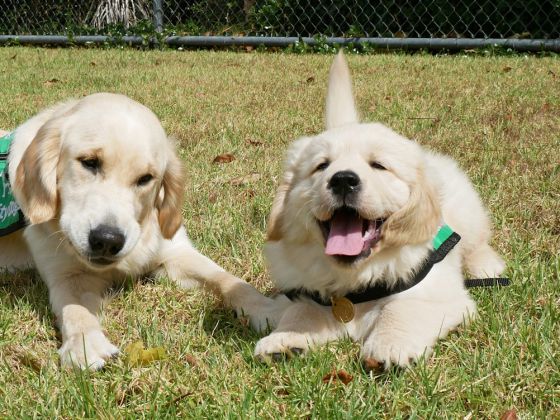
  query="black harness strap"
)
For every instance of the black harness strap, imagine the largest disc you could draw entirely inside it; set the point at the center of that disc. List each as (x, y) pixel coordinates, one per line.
(487, 282)
(379, 291)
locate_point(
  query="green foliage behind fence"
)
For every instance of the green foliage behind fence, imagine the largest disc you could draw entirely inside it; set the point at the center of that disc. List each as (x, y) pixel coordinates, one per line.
(386, 18)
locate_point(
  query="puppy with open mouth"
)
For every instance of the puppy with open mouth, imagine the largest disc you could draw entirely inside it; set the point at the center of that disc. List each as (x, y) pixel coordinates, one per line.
(368, 237)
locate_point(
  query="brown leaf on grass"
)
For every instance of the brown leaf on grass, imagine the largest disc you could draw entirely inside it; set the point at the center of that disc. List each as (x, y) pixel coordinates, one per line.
(282, 391)
(245, 179)
(338, 375)
(371, 364)
(549, 72)
(191, 360)
(507, 69)
(255, 142)
(509, 415)
(213, 196)
(93, 64)
(225, 158)
(51, 81)
(310, 79)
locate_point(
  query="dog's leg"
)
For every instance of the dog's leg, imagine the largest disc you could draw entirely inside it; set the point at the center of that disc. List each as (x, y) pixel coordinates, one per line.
(484, 262)
(75, 301)
(189, 268)
(303, 325)
(76, 295)
(406, 329)
(14, 255)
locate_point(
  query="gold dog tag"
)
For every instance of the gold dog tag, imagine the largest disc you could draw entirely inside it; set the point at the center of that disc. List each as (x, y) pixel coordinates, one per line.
(342, 309)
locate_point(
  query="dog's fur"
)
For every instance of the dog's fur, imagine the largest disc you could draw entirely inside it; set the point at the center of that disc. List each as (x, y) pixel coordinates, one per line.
(414, 191)
(64, 200)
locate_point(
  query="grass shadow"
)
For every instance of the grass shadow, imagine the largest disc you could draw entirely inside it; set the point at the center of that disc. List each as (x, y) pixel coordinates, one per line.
(25, 289)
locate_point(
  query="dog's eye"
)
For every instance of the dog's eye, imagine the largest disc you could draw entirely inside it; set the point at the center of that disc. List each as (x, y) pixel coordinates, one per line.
(377, 165)
(91, 164)
(144, 179)
(322, 166)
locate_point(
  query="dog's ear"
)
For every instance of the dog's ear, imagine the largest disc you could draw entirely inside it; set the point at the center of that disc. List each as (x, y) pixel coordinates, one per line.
(417, 221)
(275, 220)
(36, 174)
(340, 107)
(170, 217)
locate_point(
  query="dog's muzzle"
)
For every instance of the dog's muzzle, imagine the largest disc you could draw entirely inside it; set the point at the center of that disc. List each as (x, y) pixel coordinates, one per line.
(344, 184)
(105, 243)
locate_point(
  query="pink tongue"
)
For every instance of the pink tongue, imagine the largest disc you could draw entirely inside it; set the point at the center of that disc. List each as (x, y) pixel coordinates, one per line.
(345, 236)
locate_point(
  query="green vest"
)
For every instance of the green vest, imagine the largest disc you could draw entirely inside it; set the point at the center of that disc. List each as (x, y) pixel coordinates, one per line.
(11, 217)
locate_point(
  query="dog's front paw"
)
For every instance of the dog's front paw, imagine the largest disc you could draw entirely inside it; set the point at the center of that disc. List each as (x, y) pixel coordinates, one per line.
(87, 350)
(263, 314)
(280, 345)
(395, 350)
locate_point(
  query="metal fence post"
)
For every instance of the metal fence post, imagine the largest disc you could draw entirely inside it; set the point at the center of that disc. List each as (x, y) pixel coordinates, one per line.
(158, 15)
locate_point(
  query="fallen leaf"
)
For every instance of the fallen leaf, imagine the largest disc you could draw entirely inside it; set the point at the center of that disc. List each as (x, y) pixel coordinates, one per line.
(157, 62)
(310, 79)
(338, 375)
(13, 57)
(245, 179)
(249, 48)
(549, 72)
(225, 158)
(509, 415)
(136, 355)
(255, 142)
(93, 64)
(282, 391)
(506, 69)
(212, 197)
(371, 364)
(133, 352)
(51, 81)
(191, 360)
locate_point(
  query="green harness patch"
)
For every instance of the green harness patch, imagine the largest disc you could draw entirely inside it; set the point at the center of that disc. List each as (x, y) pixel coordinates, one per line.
(443, 234)
(11, 217)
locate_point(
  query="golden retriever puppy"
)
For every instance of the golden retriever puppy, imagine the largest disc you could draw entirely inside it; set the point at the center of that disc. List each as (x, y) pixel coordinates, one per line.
(361, 242)
(101, 188)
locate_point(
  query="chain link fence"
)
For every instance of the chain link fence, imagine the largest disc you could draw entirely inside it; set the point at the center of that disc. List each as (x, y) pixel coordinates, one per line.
(388, 19)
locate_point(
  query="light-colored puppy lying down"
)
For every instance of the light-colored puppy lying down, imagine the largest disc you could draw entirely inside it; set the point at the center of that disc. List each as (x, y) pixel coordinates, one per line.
(361, 242)
(101, 188)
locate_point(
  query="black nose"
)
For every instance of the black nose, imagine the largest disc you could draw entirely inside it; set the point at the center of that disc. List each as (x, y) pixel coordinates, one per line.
(106, 241)
(344, 182)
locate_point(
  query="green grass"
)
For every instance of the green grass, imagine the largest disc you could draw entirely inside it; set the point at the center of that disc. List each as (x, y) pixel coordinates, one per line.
(498, 116)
